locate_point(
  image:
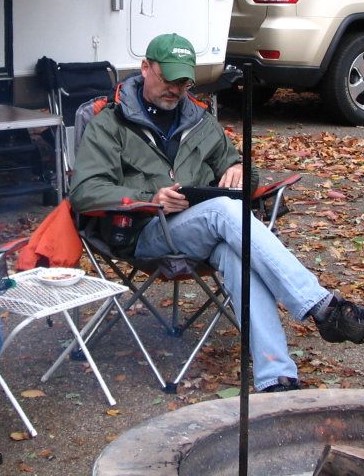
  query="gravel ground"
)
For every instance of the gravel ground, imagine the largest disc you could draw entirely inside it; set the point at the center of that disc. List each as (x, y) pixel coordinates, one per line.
(73, 419)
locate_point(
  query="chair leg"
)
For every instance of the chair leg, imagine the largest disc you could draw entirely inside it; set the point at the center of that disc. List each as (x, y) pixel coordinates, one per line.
(127, 281)
(122, 315)
(199, 345)
(175, 310)
(274, 212)
(213, 297)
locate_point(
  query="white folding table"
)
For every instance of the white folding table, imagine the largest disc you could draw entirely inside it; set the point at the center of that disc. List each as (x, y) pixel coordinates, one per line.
(33, 300)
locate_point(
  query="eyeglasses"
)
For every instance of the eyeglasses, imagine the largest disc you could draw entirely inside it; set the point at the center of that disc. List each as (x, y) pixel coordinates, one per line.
(180, 83)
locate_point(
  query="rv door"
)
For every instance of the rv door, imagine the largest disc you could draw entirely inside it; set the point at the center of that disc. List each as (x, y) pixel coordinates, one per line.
(188, 18)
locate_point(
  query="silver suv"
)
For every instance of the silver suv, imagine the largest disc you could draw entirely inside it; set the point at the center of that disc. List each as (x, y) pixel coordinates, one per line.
(305, 45)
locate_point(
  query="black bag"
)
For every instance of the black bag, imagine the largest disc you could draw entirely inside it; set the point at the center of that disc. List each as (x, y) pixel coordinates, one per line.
(47, 73)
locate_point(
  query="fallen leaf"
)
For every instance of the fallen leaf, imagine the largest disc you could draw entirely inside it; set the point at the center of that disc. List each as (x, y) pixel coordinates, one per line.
(33, 393)
(172, 406)
(25, 468)
(120, 378)
(19, 436)
(113, 412)
(336, 195)
(124, 353)
(166, 302)
(228, 392)
(190, 295)
(157, 401)
(47, 453)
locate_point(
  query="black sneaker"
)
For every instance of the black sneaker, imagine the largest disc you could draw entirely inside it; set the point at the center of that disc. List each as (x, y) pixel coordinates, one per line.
(284, 384)
(344, 321)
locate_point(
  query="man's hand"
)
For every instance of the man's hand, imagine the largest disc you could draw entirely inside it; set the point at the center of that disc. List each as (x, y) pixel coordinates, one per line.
(233, 177)
(171, 200)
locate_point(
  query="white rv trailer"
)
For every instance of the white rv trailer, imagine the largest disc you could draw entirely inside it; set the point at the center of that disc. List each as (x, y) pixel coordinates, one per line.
(97, 30)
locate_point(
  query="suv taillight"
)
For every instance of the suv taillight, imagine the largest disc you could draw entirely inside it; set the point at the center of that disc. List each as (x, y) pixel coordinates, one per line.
(275, 1)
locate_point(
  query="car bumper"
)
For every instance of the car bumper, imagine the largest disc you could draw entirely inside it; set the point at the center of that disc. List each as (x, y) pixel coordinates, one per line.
(281, 76)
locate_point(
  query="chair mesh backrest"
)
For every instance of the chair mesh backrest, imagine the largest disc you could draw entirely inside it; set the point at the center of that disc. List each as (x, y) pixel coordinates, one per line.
(82, 82)
(85, 77)
(88, 109)
(84, 113)
(76, 83)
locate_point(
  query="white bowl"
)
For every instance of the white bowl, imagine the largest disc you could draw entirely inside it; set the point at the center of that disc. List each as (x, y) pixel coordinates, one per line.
(60, 276)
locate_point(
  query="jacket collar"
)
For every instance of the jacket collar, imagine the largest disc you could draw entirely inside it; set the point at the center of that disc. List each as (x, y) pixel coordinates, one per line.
(133, 110)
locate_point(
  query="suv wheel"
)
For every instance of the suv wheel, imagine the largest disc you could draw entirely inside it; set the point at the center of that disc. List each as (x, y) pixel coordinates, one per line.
(262, 94)
(343, 84)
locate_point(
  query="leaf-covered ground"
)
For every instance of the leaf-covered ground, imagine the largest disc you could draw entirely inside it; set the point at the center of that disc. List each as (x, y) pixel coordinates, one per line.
(325, 229)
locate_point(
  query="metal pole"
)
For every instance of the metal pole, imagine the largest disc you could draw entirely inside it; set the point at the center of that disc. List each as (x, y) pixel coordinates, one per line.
(245, 298)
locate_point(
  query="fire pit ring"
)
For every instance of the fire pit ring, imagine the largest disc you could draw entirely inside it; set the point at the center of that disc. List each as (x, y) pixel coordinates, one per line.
(287, 433)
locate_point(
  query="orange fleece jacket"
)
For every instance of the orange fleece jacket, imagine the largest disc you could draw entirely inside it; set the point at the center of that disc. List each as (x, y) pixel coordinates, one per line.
(55, 243)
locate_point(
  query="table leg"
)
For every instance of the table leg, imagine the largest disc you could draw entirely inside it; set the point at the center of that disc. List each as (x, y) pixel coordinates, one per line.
(14, 333)
(88, 356)
(91, 324)
(17, 407)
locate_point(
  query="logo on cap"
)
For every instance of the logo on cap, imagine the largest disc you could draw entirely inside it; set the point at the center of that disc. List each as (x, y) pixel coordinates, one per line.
(181, 52)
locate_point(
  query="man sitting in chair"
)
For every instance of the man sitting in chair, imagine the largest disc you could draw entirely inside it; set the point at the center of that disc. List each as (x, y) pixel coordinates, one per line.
(157, 139)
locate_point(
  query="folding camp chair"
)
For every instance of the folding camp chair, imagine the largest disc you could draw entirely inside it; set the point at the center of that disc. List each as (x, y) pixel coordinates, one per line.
(174, 267)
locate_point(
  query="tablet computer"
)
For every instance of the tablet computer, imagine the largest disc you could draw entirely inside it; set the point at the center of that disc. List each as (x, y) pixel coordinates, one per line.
(199, 194)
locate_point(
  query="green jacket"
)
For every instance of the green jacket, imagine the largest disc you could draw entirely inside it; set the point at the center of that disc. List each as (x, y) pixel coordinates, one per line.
(118, 156)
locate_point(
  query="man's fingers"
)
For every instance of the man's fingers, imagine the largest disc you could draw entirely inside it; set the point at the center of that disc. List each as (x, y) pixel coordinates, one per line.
(233, 177)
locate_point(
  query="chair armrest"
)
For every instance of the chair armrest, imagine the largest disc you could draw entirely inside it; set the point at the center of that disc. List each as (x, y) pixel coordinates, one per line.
(14, 245)
(267, 191)
(276, 190)
(147, 208)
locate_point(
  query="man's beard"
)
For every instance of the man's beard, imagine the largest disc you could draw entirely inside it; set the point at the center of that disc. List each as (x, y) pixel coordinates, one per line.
(167, 105)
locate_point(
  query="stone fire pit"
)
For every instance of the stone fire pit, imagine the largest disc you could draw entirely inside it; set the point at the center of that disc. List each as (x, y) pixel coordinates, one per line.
(287, 434)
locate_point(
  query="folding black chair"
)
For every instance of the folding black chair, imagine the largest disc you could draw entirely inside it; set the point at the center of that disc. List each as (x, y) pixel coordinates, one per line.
(68, 86)
(79, 82)
(71, 84)
(174, 267)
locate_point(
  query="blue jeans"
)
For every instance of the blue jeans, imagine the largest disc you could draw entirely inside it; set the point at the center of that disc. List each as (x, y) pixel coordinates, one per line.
(213, 230)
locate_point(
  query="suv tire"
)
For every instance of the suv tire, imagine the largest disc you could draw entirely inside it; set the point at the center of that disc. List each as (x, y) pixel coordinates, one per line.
(346, 70)
(262, 94)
